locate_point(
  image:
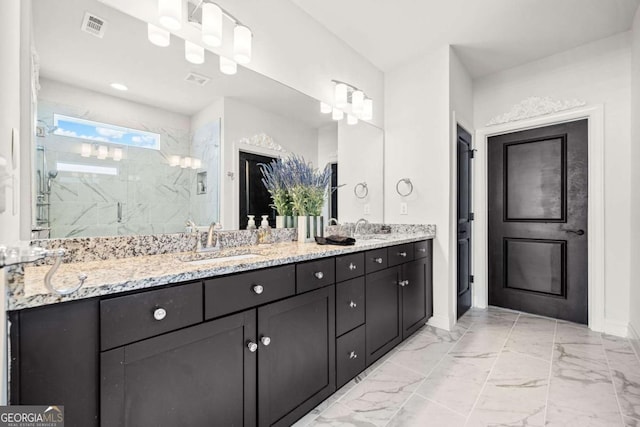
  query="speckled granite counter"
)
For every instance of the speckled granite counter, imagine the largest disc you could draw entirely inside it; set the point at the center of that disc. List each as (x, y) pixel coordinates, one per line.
(112, 276)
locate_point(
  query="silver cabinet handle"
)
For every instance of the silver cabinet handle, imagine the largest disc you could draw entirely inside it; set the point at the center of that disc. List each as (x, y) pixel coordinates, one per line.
(402, 254)
(377, 260)
(403, 283)
(319, 275)
(352, 266)
(159, 313)
(258, 289)
(265, 340)
(252, 346)
(353, 304)
(353, 355)
(422, 250)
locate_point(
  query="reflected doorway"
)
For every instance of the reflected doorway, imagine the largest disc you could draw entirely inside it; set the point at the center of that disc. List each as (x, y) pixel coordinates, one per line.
(254, 197)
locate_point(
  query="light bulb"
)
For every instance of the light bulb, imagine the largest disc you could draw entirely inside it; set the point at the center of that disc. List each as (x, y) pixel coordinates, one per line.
(170, 13)
(357, 101)
(325, 108)
(193, 52)
(352, 120)
(212, 24)
(337, 114)
(158, 36)
(367, 109)
(341, 95)
(242, 44)
(227, 66)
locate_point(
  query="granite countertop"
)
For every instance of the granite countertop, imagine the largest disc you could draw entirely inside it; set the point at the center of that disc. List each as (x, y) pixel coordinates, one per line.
(112, 276)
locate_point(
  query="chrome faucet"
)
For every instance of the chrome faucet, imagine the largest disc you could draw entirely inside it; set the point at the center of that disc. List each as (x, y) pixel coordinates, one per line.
(358, 224)
(211, 236)
(335, 221)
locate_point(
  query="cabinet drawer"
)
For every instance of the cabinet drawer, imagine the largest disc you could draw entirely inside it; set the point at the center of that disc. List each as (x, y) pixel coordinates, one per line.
(376, 260)
(315, 274)
(422, 249)
(240, 291)
(349, 305)
(349, 266)
(400, 254)
(134, 317)
(350, 356)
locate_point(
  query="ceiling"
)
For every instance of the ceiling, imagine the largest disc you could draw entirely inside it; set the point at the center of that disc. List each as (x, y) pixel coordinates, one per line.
(155, 76)
(488, 35)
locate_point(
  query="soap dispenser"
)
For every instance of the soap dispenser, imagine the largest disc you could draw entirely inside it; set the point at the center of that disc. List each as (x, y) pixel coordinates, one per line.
(251, 224)
(264, 233)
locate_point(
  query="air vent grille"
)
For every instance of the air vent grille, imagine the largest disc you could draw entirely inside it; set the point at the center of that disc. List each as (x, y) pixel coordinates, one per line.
(198, 79)
(94, 25)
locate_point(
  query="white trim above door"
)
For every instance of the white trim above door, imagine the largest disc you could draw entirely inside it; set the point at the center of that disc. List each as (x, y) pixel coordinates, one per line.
(595, 116)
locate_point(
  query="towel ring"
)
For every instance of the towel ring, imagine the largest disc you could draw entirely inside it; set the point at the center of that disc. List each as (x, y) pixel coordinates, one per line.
(58, 254)
(408, 182)
(361, 190)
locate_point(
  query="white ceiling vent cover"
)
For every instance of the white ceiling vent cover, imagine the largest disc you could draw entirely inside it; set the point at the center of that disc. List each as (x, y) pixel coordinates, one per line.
(94, 25)
(198, 79)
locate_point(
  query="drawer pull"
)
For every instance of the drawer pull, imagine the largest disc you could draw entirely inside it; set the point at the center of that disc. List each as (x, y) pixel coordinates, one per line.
(352, 266)
(319, 275)
(353, 355)
(402, 254)
(252, 346)
(258, 289)
(265, 340)
(377, 260)
(353, 304)
(159, 313)
(423, 250)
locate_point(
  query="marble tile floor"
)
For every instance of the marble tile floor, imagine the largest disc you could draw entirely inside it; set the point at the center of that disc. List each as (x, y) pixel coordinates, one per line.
(496, 368)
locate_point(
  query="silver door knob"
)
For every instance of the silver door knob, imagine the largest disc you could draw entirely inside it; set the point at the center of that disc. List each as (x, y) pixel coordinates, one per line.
(353, 304)
(319, 274)
(252, 346)
(377, 260)
(258, 289)
(265, 340)
(159, 313)
(402, 254)
(353, 355)
(352, 266)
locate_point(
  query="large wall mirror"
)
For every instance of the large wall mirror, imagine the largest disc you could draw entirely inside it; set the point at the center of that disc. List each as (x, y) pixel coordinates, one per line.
(180, 143)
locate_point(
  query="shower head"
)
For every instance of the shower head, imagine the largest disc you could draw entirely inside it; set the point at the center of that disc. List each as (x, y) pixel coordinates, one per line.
(53, 174)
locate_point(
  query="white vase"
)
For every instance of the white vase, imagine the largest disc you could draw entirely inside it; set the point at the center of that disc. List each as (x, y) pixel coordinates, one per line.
(309, 227)
(280, 221)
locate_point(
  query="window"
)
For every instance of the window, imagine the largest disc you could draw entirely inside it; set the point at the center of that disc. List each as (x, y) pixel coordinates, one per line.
(102, 132)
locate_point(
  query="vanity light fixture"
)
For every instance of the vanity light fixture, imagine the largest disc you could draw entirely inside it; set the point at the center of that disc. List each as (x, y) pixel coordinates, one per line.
(357, 101)
(119, 86)
(103, 152)
(352, 120)
(85, 150)
(242, 44)
(158, 36)
(337, 114)
(170, 13)
(193, 52)
(341, 94)
(345, 94)
(325, 108)
(228, 66)
(211, 24)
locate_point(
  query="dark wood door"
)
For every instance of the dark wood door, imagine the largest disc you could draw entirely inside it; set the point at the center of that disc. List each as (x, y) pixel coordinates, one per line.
(465, 154)
(383, 305)
(254, 197)
(199, 376)
(296, 366)
(333, 200)
(416, 301)
(538, 221)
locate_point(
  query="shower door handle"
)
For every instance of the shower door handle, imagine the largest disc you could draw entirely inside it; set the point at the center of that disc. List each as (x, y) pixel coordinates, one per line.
(119, 212)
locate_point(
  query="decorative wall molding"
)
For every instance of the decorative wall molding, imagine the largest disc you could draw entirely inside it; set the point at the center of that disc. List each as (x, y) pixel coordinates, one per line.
(263, 140)
(534, 107)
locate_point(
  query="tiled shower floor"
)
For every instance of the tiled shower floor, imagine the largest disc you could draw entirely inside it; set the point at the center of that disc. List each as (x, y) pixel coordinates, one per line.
(497, 368)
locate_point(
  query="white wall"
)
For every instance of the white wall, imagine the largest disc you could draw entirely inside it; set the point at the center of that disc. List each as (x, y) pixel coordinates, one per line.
(598, 73)
(327, 152)
(417, 135)
(634, 160)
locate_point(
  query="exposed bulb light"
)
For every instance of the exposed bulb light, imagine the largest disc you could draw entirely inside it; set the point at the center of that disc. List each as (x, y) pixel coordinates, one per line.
(193, 52)
(174, 161)
(85, 151)
(357, 101)
(158, 36)
(103, 152)
(325, 108)
(196, 164)
(117, 154)
(341, 95)
(352, 120)
(170, 14)
(242, 44)
(119, 86)
(211, 24)
(367, 109)
(337, 114)
(228, 66)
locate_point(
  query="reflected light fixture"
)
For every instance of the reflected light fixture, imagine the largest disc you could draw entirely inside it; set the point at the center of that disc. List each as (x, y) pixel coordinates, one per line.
(325, 108)
(211, 24)
(337, 114)
(103, 152)
(361, 105)
(193, 52)
(174, 161)
(242, 44)
(357, 101)
(85, 150)
(228, 66)
(352, 120)
(196, 164)
(158, 36)
(170, 14)
(117, 154)
(185, 162)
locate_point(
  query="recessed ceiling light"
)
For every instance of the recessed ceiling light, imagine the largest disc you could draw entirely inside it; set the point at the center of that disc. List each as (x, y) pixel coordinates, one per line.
(119, 86)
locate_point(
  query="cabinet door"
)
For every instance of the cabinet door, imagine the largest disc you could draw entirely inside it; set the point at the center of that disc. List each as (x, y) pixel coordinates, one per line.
(416, 298)
(199, 376)
(296, 366)
(383, 322)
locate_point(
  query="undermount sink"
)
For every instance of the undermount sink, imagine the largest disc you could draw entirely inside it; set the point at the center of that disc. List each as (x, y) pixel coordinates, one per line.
(217, 259)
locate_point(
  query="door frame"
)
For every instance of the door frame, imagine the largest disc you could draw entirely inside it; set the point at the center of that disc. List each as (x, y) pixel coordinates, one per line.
(596, 291)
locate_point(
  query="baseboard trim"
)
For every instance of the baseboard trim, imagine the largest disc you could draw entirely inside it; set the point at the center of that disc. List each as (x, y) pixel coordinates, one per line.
(634, 338)
(440, 322)
(616, 327)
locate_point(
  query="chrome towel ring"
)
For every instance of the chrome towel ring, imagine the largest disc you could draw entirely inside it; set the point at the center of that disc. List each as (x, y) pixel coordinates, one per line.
(361, 190)
(58, 253)
(408, 183)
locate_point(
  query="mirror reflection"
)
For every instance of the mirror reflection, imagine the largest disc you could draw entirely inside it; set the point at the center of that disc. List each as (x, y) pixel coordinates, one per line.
(132, 139)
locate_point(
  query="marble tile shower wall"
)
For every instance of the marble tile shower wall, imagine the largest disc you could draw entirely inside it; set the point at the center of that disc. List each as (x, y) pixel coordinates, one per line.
(206, 146)
(155, 197)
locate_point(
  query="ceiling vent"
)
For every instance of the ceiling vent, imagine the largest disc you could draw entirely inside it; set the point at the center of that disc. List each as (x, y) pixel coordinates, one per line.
(94, 25)
(198, 79)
